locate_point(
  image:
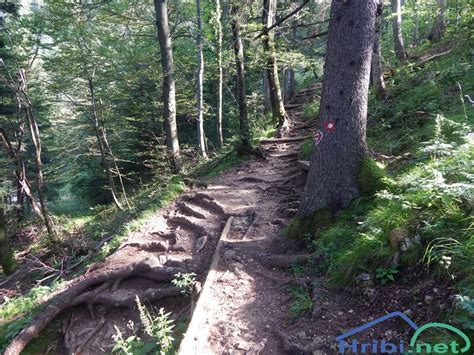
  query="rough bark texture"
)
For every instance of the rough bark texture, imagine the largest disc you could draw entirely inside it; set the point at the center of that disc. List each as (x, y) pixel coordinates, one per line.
(220, 85)
(332, 178)
(377, 66)
(397, 29)
(439, 25)
(200, 82)
(240, 82)
(169, 91)
(271, 67)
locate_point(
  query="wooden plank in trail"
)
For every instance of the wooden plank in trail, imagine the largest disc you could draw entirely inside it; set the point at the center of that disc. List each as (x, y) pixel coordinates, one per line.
(199, 325)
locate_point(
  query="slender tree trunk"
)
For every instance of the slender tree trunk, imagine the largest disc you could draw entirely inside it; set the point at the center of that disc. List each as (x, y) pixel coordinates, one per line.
(267, 102)
(220, 84)
(200, 83)
(6, 256)
(99, 132)
(35, 139)
(377, 67)
(336, 159)
(169, 91)
(397, 29)
(240, 80)
(439, 25)
(278, 107)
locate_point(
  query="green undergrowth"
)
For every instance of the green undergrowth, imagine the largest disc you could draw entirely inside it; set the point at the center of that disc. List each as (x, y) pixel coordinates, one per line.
(430, 193)
(306, 149)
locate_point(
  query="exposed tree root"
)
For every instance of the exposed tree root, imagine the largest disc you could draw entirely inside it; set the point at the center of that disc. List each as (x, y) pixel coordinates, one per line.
(254, 179)
(126, 298)
(284, 140)
(200, 200)
(189, 211)
(183, 222)
(67, 298)
(148, 246)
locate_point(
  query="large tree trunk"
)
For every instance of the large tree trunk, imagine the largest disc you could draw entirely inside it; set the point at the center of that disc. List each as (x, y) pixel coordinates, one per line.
(377, 66)
(240, 82)
(200, 83)
(100, 135)
(6, 257)
(35, 139)
(271, 68)
(169, 91)
(220, 84)
(439, 25)
(397, 29)
(336, 159)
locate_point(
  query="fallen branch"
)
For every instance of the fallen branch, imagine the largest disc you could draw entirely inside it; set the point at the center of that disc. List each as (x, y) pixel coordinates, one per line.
(421, 63)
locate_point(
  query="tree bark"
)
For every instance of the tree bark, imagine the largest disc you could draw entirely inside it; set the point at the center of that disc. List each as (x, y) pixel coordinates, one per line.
(397, 30)
(200, 83)
(377, 67)
(332, 177)
(35, 139)
(271, 68)
(169, 91)
(220, 84)
(240, 82)
(439, 25)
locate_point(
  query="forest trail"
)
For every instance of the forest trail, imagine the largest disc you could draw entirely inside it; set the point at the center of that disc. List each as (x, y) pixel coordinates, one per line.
(245, 310)
(243, 305)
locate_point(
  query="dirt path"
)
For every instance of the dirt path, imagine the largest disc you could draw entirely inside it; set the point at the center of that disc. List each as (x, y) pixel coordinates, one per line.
(245, 303)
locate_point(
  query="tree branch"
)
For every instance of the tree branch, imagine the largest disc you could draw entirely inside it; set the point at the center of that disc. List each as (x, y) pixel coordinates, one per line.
(283, 19)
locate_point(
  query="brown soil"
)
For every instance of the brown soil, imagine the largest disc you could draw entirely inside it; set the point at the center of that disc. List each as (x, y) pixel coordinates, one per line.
(248, 306)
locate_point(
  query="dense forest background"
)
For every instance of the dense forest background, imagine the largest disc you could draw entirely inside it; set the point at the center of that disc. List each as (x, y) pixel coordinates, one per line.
(86, 157)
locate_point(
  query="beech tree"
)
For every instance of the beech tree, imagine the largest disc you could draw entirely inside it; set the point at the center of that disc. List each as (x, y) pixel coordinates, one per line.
(169, 90)
(397, 29)
(340, 144)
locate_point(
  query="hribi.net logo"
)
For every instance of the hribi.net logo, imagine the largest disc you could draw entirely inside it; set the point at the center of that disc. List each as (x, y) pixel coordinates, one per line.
(414, 346)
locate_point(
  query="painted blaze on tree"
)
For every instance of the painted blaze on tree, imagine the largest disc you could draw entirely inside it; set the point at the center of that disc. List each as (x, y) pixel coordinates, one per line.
(337, 160)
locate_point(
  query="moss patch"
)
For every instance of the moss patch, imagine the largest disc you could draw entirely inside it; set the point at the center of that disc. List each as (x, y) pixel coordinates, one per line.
(371, 177)
(300, 227)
